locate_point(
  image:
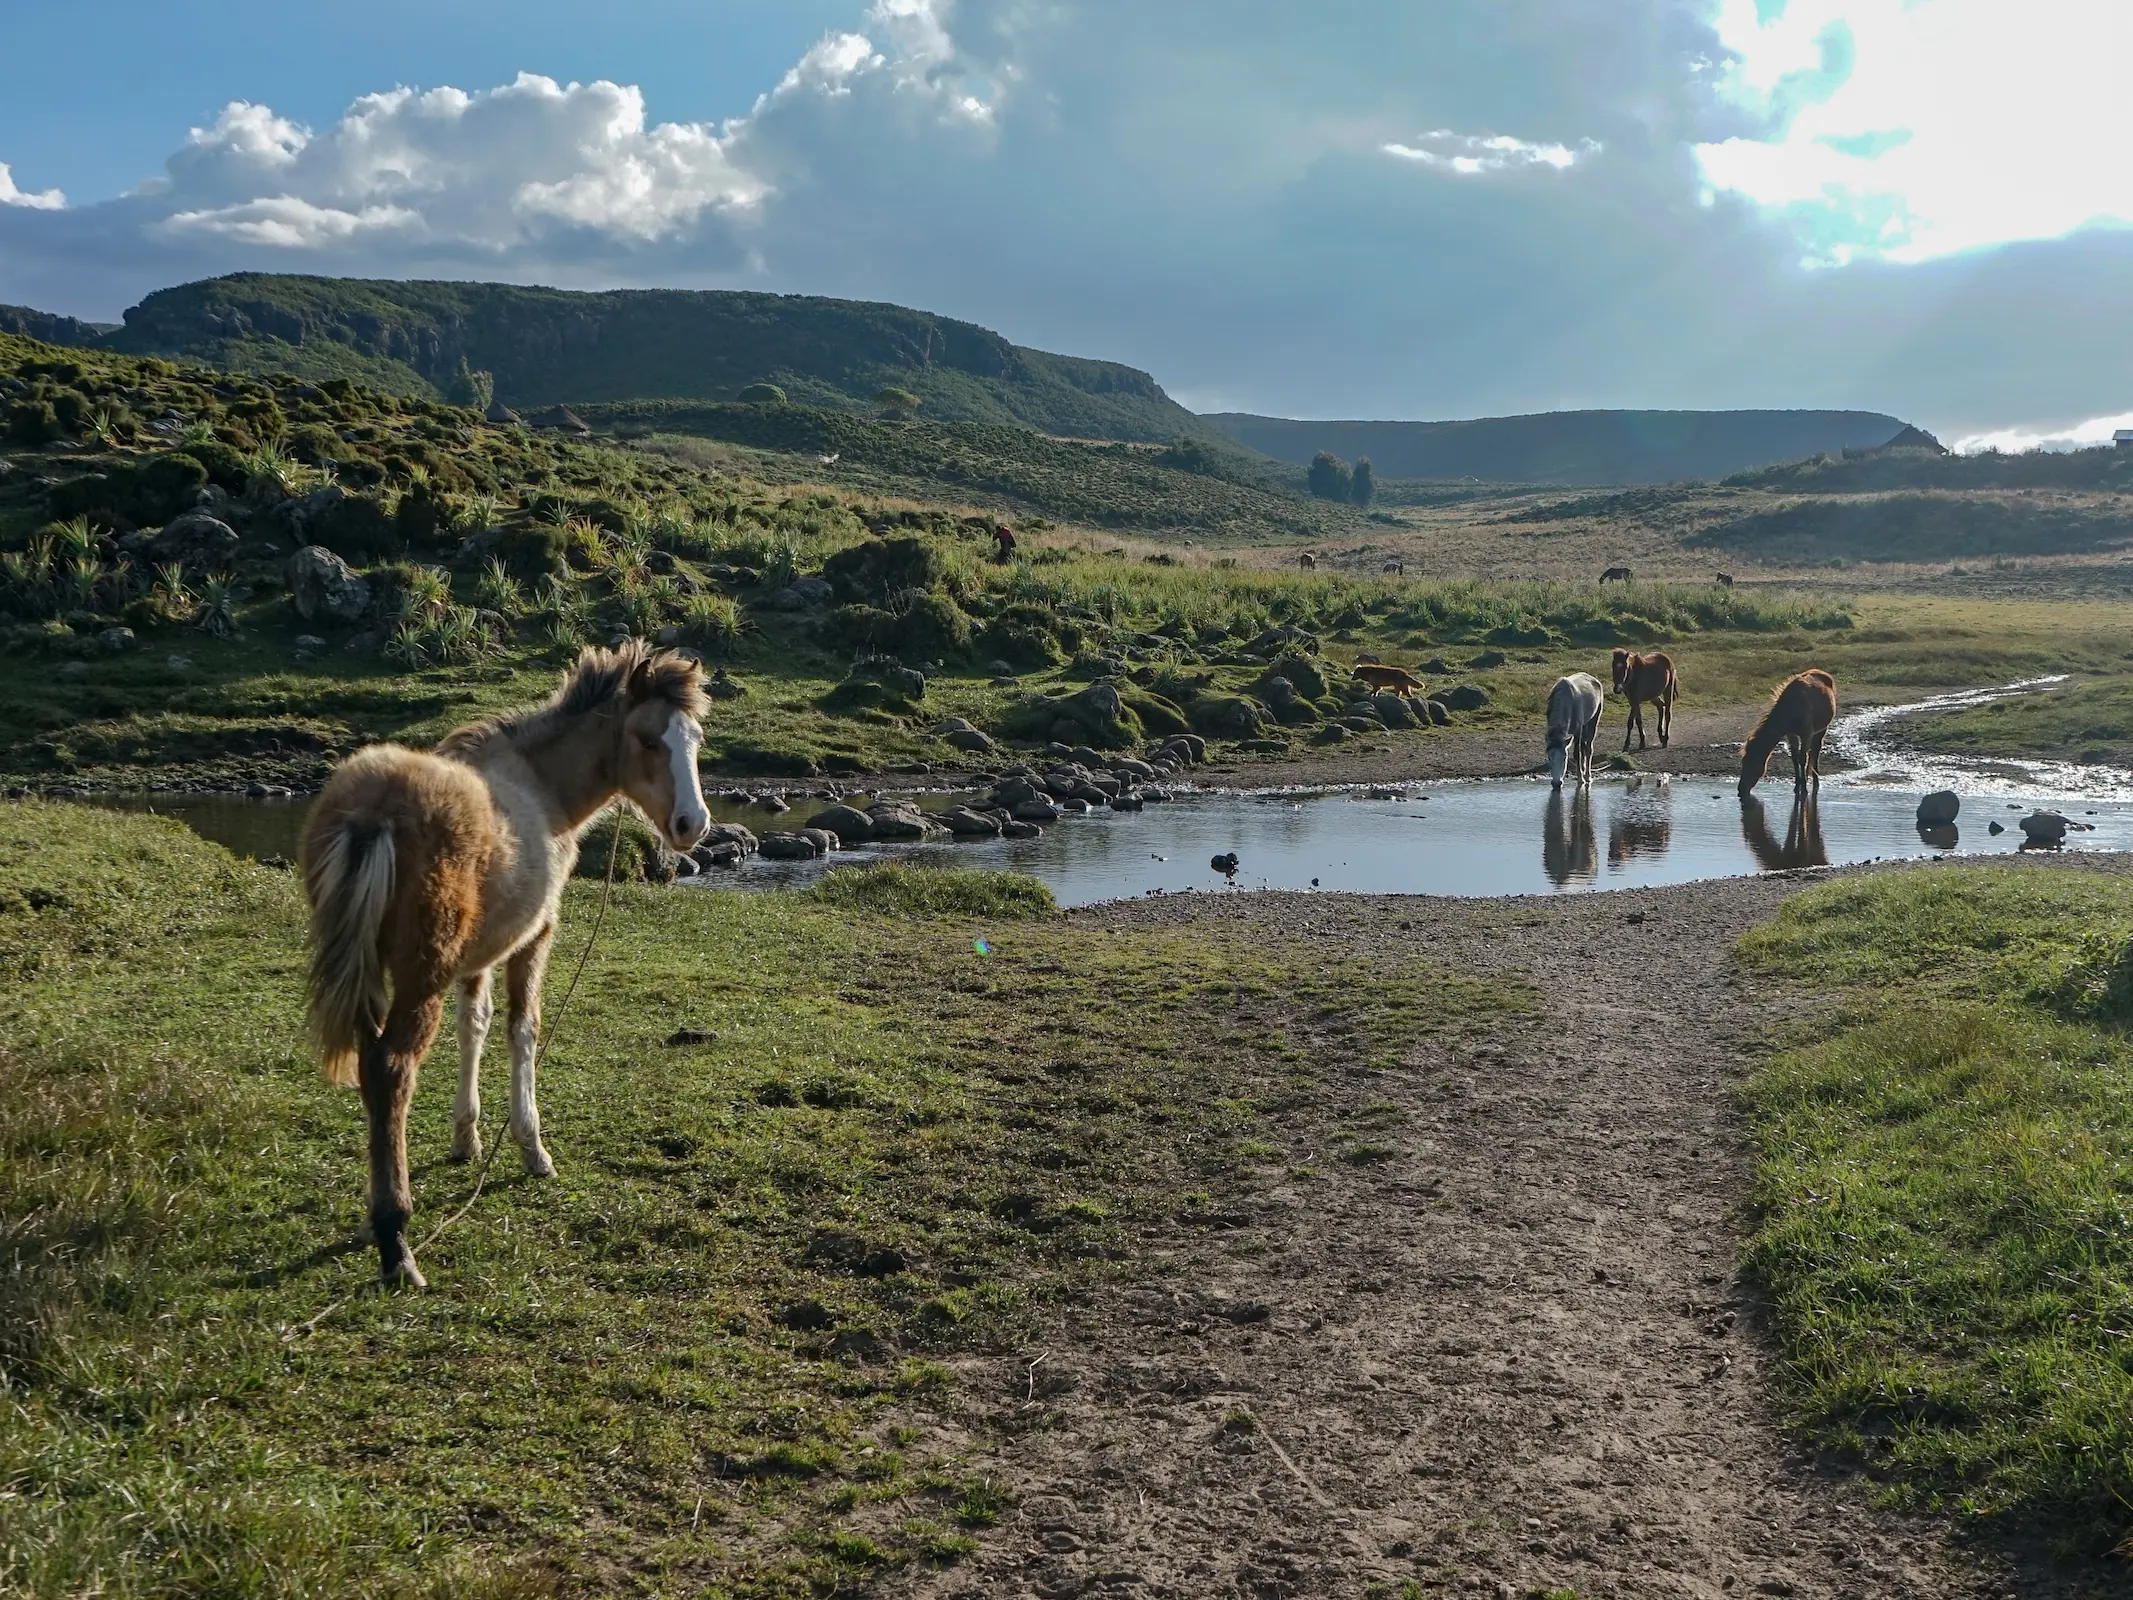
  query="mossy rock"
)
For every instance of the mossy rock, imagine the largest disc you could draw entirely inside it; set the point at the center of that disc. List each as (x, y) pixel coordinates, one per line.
(871, 571)
(1157, 715)
(640, 855)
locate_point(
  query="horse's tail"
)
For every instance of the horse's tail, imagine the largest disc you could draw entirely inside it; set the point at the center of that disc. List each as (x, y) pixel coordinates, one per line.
(1673, 686)
(349, 878)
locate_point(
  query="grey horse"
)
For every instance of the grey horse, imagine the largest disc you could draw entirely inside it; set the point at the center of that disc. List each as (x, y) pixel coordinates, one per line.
(1574, 706)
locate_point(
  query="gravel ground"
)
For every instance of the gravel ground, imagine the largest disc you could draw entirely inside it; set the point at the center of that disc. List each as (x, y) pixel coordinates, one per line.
(1513, 1357)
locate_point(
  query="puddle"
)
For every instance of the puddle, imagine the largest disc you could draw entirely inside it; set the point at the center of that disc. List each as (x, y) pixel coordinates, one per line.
(1479, 837)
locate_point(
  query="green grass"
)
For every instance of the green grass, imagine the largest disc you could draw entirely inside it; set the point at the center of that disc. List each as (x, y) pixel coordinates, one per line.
(2089, 721)
(710, 1357)
(1945, 1190)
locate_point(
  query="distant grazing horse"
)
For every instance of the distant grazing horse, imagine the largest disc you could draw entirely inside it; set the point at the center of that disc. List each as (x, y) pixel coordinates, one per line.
(1574, 707)
(1724, 580)
(1615, 575)
(1003, 542)
(1397, 568)
(1641, 678)
(1381, 677)
(425, 870)
(1307, 561)
(1799, 717)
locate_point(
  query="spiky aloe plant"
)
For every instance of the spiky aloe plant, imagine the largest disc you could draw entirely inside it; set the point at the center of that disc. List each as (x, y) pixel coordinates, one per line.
(499, 591)
(104, 428)
(197, 431)
(78, 581)
(483, 511)
(73, 539)
(22, 583)
(169, 594)
(711, 622)
(408, 646)
(217, 613)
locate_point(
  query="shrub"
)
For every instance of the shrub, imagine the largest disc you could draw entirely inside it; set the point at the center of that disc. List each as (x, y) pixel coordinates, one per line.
(356, 527)
(898, 889)
(1020, 644)
(763, 394)
(1328, 477)
(32, 422)
(898, 402)
(869, 572)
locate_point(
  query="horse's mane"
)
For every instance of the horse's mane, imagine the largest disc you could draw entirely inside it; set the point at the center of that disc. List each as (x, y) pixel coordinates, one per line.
(629, 674)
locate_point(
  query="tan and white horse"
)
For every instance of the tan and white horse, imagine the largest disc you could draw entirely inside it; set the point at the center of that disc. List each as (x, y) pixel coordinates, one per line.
(426, 870)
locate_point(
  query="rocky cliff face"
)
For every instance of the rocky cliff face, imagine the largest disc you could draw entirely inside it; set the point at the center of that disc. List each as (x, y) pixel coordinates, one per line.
(547, 346)
(49, 327)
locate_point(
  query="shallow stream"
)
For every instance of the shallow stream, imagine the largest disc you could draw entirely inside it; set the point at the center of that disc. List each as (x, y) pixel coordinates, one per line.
(1493, 836)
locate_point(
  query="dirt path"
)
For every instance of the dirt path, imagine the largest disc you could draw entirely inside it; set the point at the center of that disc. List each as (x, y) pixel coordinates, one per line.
(1514, 1357)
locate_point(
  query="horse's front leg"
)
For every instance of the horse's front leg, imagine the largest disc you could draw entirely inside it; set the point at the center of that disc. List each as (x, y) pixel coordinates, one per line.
(1666, 722)
(1629, 728)
(1814, 758)
(522, 979)
(477, 1006)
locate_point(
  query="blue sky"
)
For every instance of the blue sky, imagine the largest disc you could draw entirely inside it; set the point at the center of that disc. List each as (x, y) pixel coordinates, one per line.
(1356, 208)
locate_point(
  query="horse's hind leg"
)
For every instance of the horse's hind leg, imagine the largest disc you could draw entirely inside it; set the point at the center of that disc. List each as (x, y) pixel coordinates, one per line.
(1814, 757)
(387, 1070)
(476, 1007)
(1666, 721)
(522, 978)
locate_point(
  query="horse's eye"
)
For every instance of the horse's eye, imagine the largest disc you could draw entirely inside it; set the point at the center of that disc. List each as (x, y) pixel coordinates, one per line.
(651, 741)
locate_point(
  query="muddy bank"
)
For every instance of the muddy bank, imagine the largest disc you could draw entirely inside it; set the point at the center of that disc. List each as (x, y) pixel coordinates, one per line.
(1512, 1354)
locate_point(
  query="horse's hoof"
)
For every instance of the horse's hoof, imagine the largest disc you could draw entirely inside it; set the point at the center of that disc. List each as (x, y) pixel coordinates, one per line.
(403, 1273)
(538, 1164)
(466, 1147)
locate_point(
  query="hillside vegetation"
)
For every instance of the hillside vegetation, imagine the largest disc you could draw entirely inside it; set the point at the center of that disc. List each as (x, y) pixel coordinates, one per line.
(1566, 447)
(1185, 488)
(168, 647)
(545, 346)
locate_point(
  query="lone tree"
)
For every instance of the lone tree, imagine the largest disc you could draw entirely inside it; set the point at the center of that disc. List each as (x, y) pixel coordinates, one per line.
(1363, 485)
(898, 402)
(1328, 477)
(466, 387)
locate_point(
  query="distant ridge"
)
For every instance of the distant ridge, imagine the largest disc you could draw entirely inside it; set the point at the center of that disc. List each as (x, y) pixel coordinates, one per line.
(50, 328)
(560, 346)
(1571, 447)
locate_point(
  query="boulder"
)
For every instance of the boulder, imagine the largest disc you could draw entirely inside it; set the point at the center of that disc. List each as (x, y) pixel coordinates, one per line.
(1126, 800)
(1394, 710)
(731, 833)
(772, 803)
(199, 542)
(948, 725)
(1130, 767)
(1264, 747)
(1488, 659)
(1439, 715)
(1276, 640)
(968, 824)
(789, 847)
(324, 588)
(968, 739)
(849, 824)
(1227, 716)
(1035, 811)
(1938, 809)
(822, 838)
(1019, 830)
(117, 641)
(898, 822)
(1463, 697)
(2044, 827)
(1301, 673)
(309, 644)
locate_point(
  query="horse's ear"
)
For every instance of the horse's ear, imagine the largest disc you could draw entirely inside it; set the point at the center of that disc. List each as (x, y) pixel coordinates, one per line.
(640, 681)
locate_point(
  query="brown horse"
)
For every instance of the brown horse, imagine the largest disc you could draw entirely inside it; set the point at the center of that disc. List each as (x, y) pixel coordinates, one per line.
(1642, 678)
(426, 870)
(1799, 717)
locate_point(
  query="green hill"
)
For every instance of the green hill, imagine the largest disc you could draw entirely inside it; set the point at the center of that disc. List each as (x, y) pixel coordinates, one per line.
(1595, 447)
(549, 346)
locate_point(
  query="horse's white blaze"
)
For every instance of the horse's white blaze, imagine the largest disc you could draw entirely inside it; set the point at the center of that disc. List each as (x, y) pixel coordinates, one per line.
(691, 816)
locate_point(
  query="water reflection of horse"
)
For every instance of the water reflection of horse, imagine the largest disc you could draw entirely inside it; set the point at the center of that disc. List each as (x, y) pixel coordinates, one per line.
(1642, 823)
(1570, 850)
(1803, 846)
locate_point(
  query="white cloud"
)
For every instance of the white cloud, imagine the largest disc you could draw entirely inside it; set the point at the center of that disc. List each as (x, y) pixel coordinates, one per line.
(33, 200)
(2081, 436)
(288, 223)
(488, 171)
(1911, 129)
(1474, 154)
